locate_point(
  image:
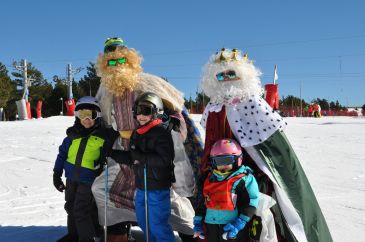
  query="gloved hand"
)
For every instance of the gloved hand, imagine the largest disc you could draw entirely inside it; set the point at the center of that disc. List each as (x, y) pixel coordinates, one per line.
(174, 124)
(138, 148)
(121, 156)
(57, 182)
(231, 229)
(138, 155)
(103, 159)
(198, 227)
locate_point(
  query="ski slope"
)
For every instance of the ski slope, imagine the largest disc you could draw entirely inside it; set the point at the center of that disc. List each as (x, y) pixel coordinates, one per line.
(331, 151)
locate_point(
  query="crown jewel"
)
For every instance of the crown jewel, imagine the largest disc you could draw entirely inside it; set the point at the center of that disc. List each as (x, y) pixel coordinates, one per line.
(226, 55)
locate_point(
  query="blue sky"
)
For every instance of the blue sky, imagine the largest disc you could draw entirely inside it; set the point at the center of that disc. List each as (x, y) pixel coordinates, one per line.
(316, 44)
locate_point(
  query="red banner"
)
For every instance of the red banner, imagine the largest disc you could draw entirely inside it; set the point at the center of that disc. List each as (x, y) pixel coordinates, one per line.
(70, 106)
(272, 95)
(29, 112)
(39, 109)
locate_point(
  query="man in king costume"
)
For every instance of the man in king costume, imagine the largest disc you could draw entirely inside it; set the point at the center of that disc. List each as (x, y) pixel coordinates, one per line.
(237, 110)
(122, 81)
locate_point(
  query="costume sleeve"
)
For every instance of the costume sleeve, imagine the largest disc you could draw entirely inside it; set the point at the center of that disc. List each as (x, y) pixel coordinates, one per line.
(110, 137)
(121, 157)
(247, 197)
(113, 134)
(200, 208)
(62, 155)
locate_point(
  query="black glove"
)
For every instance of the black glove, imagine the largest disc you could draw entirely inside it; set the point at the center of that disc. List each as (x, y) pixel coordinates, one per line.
(138, 148)
(137, 154)
(121, 157)
(57, 182)
(174, 124)
(104, 154)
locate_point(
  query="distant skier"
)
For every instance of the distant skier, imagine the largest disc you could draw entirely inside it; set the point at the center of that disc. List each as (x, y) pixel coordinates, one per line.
(80, 156)
(316, 110)
(231, 195)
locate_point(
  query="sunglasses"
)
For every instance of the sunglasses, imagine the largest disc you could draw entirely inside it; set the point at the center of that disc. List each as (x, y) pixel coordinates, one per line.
(86, 113)
(224, 160)
(114, 62)
(229, 74)
(144, 110)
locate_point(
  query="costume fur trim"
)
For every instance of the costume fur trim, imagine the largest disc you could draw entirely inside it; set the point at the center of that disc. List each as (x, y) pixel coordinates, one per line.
(171, 97)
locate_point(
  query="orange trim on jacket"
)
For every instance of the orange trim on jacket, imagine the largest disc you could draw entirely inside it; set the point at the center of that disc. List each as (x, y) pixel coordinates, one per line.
(218, 194)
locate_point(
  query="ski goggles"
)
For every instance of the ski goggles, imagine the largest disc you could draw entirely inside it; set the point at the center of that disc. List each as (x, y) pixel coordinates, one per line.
(144, 110)
(224, 160)
(230, 75)
(87, 113)
(114, 62)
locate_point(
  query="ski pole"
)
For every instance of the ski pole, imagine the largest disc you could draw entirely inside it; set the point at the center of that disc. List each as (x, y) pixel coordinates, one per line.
(106, 200)
(146, 202)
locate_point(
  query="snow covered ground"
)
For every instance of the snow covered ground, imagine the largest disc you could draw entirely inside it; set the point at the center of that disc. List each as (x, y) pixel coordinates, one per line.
(331, 150)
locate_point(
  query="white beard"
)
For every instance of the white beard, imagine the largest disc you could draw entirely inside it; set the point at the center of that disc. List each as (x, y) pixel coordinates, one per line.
(249, 83)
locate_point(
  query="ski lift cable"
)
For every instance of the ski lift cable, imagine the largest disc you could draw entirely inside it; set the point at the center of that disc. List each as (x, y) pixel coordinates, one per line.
(214, 49)
(200, 64)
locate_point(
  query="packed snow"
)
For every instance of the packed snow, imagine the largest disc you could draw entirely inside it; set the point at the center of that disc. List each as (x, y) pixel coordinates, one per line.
(331, 151)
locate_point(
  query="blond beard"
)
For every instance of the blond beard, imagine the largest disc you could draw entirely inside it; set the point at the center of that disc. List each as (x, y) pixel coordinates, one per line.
(119, 81)
(120, 78)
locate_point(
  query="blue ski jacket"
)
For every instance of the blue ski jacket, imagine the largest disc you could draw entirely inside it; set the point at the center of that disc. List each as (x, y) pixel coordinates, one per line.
(81, 153)
(245, 194)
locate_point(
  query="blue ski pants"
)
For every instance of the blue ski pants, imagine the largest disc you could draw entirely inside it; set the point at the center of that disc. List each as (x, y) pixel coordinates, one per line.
(159, 212)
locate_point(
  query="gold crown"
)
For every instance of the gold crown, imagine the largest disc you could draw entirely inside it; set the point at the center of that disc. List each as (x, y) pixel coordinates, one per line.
(225, 55)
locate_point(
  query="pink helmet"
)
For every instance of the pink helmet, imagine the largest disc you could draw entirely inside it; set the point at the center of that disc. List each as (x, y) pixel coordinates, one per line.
(226, 152)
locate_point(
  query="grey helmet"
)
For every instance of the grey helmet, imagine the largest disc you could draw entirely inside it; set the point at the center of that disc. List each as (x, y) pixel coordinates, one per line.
(149, 98)
(88, 102)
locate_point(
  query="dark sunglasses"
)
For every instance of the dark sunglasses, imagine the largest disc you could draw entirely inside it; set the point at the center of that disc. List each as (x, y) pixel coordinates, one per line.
(114, 62)
(144, 110)
(224, 160)
(230, 74)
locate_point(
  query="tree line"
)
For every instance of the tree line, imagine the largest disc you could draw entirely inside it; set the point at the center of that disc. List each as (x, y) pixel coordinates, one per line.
(292, 101)
(50, 92)
(286, 102)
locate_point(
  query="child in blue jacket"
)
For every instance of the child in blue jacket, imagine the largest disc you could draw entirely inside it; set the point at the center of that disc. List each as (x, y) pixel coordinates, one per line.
(230, 193)
(80, 156)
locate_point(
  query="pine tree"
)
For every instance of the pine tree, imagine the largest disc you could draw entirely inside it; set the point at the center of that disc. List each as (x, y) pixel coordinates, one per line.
(292, 101)
(53, 104)
(323, 103)
(89, 84)
(39, 90)
(6, 86)
(34, 75)
(201, 101)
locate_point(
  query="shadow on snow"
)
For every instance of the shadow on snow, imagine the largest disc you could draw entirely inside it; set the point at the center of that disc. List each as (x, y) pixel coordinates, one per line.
(31, 233)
